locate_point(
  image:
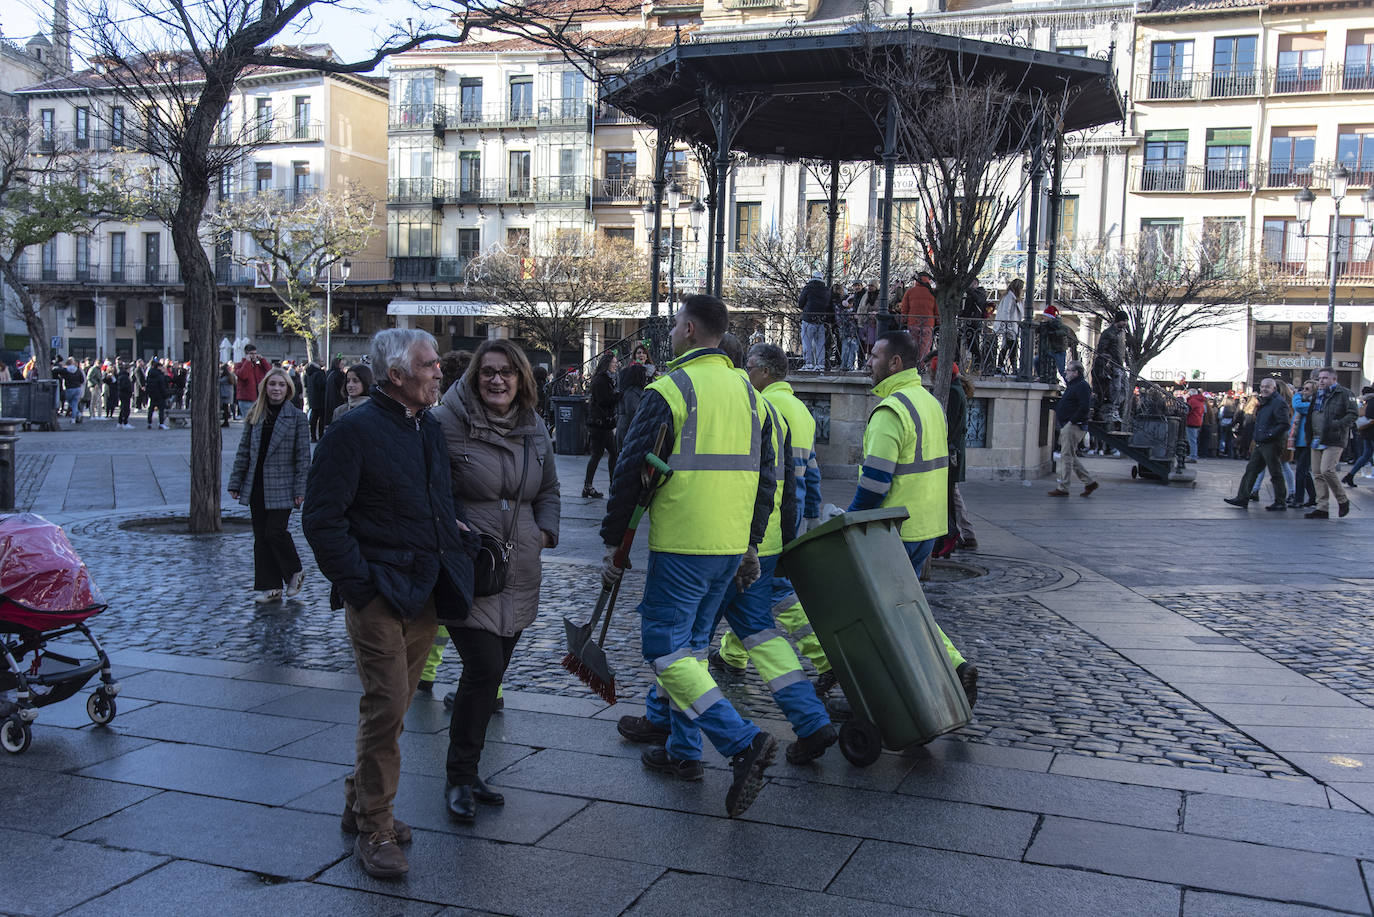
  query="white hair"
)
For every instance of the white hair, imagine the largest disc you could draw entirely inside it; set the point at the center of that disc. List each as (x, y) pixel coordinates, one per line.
(394, 348)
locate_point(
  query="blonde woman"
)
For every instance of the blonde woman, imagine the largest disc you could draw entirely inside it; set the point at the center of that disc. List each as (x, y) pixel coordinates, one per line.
(269, 478)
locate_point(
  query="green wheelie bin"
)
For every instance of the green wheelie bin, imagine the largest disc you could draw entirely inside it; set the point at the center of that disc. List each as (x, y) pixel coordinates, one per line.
(868, 609)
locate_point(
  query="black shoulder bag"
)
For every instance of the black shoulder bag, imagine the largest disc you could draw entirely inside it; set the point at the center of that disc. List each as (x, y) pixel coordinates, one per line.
(492, 562)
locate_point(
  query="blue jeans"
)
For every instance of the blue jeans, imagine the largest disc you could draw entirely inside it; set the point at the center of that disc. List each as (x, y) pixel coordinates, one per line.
(1366, 454)
(919, 552)
(72, 398)
(750, 612)
(681, 597)
(849, 354)
(1192, 441)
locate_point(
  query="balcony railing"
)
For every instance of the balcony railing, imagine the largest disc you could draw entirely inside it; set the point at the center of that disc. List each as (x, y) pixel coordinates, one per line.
(1166, 178)
(70, 272)
(562, 189)
(1215, 179)
(612, 190)
(417, 190)
(1233, 84)
(294, 195)
(609, 114)
(414, 117)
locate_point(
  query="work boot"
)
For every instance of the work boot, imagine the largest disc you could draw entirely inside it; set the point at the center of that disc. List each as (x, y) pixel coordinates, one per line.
(717, 662)
(808, 748)
(379, 855)
(1236, 501)
(639, 729)
(824, 682)
(1343, 509)
(749, 766)
(658, 759)
(1349, 480)
(1317, 514)
(968, 679)
(838, 708)
(348, 824)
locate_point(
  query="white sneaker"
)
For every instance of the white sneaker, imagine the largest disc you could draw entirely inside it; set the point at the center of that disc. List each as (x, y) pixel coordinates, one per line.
(162, 426)
(268, 597)
(294, 586)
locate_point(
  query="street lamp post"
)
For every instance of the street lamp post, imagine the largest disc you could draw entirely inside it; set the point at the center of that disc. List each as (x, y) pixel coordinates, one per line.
(329, 302)
(674, 199)
(1340, 182)
(695, 214)
(71, 329)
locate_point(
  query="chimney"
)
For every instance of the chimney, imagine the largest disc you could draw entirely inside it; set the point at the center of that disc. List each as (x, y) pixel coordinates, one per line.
(61, 38)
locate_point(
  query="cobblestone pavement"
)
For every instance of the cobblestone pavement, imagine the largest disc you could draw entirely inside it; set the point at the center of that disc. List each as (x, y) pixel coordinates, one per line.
(29, 473)
(1324, 635)
(1047, 685)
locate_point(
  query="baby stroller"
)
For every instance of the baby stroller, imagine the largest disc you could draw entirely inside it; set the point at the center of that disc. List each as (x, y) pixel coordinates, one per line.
(46, 593)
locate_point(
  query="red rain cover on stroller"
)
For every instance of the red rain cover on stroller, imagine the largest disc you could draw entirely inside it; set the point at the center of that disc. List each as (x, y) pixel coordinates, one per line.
(43, 583)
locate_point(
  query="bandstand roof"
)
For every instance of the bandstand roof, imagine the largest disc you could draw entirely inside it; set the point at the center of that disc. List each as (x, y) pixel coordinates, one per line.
(812, 100)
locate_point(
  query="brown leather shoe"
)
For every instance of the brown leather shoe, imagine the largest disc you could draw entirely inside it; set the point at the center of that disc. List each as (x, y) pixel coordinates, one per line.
(348, 824)
(1087, 491)
(1058, 492)
(380, 856)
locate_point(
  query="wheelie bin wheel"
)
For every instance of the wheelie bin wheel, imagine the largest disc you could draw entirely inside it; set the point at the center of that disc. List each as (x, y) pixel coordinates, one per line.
(860, 742)
(15, 735)
(100, 707)
(1135, 471)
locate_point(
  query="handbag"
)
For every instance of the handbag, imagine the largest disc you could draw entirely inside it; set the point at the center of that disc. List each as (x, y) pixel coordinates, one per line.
(492, 562)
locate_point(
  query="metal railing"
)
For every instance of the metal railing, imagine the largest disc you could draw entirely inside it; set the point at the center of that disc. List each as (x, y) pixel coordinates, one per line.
(612, 190)
(415, 117)
(287, 195)
(1232, 83)
(417, 190)
(1259, 174)
(609, 114)
(129, 273)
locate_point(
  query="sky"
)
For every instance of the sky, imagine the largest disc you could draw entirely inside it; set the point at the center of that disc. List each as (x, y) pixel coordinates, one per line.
(353, 32)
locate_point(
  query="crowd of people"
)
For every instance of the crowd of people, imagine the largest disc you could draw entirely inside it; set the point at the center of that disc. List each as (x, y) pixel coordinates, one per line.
(433, 491)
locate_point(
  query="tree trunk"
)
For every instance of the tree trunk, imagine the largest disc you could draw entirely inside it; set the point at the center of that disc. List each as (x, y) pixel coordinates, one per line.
(198, 276)
(33, 321)
(948, 300)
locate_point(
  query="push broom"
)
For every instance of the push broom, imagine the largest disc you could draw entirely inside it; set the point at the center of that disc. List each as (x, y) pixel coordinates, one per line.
(586, 657)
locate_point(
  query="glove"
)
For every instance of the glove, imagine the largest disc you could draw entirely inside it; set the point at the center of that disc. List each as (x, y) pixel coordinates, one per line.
(830, 511)
(810, 522)
(610, 573)
(748, 572)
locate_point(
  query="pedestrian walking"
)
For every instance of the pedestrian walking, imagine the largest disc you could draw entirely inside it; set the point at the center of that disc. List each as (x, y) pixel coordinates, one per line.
(1304, 488)
(906, 463)
(248, 375)
(709, 518)
(503, 472)
(124, 388)
(385, 533)
(1328, 427)
(110, 393)
(1270, 433)
(601, 417)
(269, 478)
(158, 391)
(1364, 436)
(334, 395)
(358, 383)
(73, 387)
(961, 534)
(227, 386)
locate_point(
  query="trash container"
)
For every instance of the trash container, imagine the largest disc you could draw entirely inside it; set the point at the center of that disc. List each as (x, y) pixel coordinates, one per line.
(35, 400)
(570, 424)
(867, 608)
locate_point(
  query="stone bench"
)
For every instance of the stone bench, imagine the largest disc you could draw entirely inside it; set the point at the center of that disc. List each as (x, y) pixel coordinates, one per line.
(178, 417)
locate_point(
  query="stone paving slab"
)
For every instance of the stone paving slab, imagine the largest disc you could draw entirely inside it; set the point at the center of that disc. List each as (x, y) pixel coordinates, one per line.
(505, 878)
(45, 875)
(211, 726)
(71, 714)
(72, 749)
(217, 772)
(1146, 807)
(56, 804)
(1296, 827)
(202, 690)
(1218, 865)
(1305, 697)
(525, 818)
(694, 895)
(1189, 672)
(1296, 792)
(927, 822)
(186, 889)
(421, 753)
(223, 832)
(1210, 904)
(724, 847)
(1292, 714)
(331, 706)
(963, 884)
(1315, 739)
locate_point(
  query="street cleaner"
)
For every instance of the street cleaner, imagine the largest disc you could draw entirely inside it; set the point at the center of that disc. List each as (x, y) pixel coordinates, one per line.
(767, 370)
(708, 520)
(906, 463)
(749, 612)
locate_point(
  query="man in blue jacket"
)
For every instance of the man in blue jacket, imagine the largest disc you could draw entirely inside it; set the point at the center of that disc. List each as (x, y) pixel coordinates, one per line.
(380, 517)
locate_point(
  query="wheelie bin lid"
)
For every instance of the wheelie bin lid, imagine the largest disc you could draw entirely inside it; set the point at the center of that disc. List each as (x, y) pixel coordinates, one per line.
(844, 520)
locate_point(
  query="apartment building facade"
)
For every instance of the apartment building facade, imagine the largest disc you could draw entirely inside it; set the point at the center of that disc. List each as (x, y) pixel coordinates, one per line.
(116, 289)
(1237, 110)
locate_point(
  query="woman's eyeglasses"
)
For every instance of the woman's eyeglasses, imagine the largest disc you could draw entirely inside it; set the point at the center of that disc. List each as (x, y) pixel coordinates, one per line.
(487, 373)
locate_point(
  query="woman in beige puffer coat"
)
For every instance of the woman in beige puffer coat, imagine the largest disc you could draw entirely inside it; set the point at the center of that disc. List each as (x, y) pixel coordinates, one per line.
(494, 436)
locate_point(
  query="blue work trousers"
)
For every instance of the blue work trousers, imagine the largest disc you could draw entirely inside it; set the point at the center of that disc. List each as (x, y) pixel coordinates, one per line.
(750, 612)
(681, 596)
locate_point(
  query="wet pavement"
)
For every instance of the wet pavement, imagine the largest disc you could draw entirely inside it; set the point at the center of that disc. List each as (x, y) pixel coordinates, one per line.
(1173, 718)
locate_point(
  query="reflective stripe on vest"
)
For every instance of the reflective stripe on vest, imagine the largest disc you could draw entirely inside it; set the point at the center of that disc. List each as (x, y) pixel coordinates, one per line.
(687, 683)
(920, 464)
(919, 484)
(772, 535)
(688, 459)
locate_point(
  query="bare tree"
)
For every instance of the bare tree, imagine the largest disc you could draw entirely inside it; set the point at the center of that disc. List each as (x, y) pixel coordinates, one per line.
(45, 192)
(550, 295)
(299, 240)
(960, 129)
(1165, 291)
(768, 272)
(176, 62)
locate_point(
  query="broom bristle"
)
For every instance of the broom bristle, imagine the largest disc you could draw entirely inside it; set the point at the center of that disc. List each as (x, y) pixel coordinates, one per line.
(602, 689)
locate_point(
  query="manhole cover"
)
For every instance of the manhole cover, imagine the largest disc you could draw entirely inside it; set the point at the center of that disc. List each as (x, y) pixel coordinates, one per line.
(179, 525)
(952, 571)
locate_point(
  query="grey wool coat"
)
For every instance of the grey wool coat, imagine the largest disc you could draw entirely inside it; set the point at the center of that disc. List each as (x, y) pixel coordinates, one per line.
(485, 466)
(286, 465)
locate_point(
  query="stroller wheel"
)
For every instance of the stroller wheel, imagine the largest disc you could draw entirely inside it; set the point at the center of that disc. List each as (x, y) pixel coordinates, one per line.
(15, 735)
(100, 707)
